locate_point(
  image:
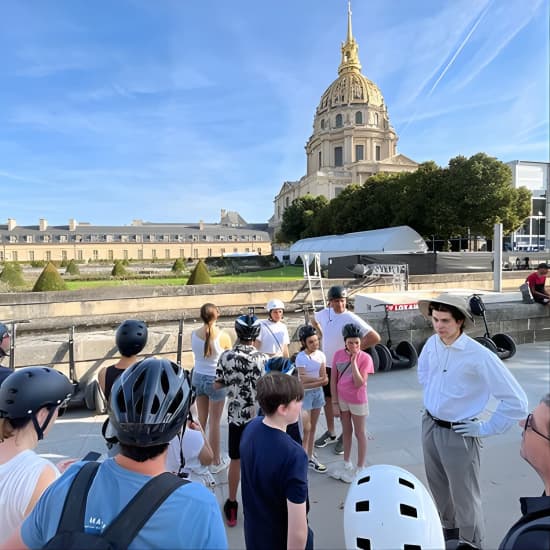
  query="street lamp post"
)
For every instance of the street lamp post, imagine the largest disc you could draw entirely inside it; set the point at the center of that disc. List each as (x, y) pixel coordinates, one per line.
(539, 231)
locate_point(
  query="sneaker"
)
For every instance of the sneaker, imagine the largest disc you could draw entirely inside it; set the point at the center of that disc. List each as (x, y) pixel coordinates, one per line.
(348, 473)
(314, 464)
(336, 473)
(326, 439)
(230, 511)
(217, 468)
(339, 447)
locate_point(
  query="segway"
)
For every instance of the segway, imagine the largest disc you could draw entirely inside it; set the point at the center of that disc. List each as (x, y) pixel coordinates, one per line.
(403, 356)
(502, 345)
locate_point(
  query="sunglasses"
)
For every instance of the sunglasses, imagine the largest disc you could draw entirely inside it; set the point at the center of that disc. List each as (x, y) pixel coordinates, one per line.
(529, 424)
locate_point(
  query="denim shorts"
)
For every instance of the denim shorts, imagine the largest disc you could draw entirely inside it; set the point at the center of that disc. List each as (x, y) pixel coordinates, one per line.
(313, 399)
(203, 384)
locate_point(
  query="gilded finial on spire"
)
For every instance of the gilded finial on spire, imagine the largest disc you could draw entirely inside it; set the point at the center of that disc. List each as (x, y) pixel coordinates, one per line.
(350, 58)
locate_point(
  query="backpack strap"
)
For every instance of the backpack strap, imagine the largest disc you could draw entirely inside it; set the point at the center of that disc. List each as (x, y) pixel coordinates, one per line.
(129, 522)
(72, 516)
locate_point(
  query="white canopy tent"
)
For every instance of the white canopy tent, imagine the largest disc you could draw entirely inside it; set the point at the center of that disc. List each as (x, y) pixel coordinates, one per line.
(391, 240)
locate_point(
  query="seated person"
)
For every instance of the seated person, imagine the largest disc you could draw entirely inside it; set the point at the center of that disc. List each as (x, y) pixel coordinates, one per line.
(537, 282)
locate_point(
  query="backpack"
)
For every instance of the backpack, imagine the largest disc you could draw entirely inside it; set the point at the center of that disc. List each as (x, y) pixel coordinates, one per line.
(526, 295)
(124, 528)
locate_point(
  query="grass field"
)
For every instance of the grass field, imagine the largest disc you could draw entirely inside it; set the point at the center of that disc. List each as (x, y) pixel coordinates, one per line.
(286, 273)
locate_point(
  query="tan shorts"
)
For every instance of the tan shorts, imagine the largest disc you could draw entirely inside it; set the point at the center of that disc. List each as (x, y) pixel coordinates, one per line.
(358, 409)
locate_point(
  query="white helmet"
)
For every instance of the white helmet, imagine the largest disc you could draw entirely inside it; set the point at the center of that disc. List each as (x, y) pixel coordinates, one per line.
(386, 508)
(275, 304)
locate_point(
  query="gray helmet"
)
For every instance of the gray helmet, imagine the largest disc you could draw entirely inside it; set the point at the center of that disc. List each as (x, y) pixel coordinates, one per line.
(247, 327)
(351, 331)
(27, 390)
(150, 402)
(131, 337)
(336, 292)
(306, 331)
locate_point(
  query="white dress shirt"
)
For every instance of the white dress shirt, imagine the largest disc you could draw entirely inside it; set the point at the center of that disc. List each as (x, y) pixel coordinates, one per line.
(459, 379)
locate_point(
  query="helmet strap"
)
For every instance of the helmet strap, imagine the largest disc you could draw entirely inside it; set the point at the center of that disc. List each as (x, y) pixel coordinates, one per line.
(41, 429)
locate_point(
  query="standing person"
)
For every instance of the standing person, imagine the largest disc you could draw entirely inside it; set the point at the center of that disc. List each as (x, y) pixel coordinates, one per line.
(330, 322)
(458, 376)
(532, 530)
(273, 338)
(238, 370)
(149, 406)
(537, 282)
(208, 343)
(311, 365)
(30, 399)
(130, 338)
(4, 350)
(349, 389)
(274, 470)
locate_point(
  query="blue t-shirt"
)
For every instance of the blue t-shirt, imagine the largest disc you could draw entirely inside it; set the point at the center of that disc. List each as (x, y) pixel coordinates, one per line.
(188, 518)
(273, 469)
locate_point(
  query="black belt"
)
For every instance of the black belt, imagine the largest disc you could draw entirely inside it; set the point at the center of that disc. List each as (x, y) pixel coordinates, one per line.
(442, 423)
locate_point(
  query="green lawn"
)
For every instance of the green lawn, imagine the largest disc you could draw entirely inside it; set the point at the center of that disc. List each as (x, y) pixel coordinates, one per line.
(286, 273)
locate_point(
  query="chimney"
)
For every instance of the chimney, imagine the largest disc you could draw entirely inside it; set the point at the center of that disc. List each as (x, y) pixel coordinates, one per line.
(12, 224)
(72, 224)
(43, 224)
(201, 225)
(222, 214)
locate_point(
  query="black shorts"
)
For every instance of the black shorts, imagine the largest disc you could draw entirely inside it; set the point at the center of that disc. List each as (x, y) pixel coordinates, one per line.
(234, 439)
(326, 389)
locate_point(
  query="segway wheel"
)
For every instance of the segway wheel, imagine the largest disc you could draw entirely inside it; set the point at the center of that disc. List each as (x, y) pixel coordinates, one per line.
(385, 357)
(487, 342)
(506, 347)
(375, 359)
(406, 349)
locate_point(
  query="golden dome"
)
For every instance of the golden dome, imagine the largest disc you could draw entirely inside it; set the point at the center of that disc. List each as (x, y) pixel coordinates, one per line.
(351, 87)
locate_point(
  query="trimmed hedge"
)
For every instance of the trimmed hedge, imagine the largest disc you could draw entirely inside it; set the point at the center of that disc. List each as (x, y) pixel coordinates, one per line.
(199, 275)
(49, 279)
(12, 275)
(72, 268)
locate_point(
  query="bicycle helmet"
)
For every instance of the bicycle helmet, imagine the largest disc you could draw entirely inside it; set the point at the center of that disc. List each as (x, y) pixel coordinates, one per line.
(351, 331)
(247, 327)
(279, 364)
(336, 292)
(275, 304)
(386, 508)
(27, 390)
(305, 332)
(131, 337)
(4, 331)
(149, 402)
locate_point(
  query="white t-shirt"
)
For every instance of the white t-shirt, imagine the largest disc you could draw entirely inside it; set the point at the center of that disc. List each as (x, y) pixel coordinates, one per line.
(18, 479)
(192, 443)
(206, 365)
(331, 326)
(311, 363)
(273, 337)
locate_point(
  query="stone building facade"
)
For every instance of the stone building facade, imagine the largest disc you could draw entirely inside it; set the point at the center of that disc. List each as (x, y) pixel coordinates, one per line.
(352, 136)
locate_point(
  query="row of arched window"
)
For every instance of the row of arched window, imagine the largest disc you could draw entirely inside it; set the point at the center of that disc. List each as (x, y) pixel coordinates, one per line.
(339, 120)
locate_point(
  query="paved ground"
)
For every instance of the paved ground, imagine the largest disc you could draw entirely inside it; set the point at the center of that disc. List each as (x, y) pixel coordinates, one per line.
(394, 429)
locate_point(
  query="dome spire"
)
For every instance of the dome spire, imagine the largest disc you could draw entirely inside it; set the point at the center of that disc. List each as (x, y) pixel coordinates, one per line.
(350, 58)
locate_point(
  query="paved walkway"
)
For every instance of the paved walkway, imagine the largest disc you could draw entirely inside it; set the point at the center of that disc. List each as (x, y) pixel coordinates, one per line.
(394, 430)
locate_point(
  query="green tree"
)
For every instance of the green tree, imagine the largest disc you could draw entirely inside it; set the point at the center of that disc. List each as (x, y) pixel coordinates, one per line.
(49, 279)
(72, 268)
(199, 275)
(12, 275)
(298, 218)
(119, 270)
(178, 266)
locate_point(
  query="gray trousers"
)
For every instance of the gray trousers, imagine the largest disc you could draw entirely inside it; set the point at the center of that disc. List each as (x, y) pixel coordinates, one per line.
(452, 465)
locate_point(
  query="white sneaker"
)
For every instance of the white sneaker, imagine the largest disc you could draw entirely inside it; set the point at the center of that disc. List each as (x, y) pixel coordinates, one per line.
(217, 468)
(348, 473)
(337, 472)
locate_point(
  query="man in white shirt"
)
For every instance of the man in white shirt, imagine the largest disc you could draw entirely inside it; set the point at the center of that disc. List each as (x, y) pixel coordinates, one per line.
(330, 322)
(459, 376)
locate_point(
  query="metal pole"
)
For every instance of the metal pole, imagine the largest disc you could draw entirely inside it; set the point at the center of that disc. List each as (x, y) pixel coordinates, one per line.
(497, 258)
(180, 341)
(72, 367)
(13, 336)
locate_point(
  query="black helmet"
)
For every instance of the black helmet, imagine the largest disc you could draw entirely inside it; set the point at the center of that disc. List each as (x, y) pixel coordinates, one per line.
(279, 364)
(247, 327)
(337, 292)
(351, 331)
(306, 331)
(131, 337)
(150, 402)
(27, 390)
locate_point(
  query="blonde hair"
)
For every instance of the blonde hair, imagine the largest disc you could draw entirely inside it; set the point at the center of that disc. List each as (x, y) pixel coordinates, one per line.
(209, 314)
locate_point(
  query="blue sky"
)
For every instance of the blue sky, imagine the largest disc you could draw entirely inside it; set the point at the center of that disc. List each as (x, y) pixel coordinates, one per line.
(168, 111)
